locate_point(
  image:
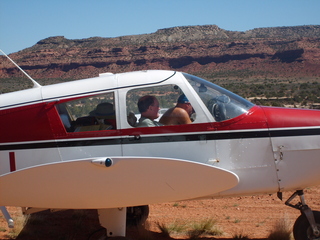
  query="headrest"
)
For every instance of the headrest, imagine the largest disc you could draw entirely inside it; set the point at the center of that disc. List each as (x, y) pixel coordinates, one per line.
(103, 109)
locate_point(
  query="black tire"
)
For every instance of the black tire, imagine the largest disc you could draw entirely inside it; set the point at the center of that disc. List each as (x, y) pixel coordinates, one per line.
(302, 229)
(136, 216)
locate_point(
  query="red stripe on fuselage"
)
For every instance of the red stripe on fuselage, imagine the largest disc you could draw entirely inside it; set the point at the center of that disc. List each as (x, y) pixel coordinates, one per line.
(41, 122)
(12, 159)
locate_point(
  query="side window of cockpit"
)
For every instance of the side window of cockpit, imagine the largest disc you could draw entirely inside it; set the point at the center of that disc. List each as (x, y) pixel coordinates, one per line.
(158, 106)
(222, 104)
(92, 113)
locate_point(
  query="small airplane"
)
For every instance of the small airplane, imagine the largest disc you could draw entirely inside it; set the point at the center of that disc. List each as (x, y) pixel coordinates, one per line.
(78, 145)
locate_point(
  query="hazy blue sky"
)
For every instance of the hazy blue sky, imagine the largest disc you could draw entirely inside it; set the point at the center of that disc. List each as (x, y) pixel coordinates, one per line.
(24, 22)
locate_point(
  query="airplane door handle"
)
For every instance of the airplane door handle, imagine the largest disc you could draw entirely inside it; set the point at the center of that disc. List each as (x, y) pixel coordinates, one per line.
(135, 137)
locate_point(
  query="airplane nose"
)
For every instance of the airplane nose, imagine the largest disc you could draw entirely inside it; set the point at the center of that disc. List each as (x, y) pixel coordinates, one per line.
(295, 138)
(291, 117)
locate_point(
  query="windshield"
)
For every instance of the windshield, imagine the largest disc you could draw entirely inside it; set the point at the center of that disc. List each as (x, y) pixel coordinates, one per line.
(221, 103)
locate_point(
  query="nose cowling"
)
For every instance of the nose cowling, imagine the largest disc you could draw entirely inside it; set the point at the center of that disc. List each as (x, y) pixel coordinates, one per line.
(291, 117)
(295, 137)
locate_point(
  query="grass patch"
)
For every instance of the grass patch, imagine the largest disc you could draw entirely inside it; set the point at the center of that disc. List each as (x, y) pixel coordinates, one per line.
(175, 204)
(194, 230)
(169, 229)
(281, 231)
(205, 227)
(19, 224)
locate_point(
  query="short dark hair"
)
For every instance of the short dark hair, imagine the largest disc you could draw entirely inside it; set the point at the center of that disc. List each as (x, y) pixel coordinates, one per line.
(145, 102)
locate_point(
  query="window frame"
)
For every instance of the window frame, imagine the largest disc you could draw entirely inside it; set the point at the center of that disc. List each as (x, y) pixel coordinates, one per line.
(79, 98)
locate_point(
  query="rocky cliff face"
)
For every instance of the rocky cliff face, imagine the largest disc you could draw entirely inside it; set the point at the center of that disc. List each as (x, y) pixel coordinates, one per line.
(205, 50)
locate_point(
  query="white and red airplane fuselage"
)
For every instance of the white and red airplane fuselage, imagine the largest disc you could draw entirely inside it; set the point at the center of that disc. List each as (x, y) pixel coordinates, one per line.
(232, 147)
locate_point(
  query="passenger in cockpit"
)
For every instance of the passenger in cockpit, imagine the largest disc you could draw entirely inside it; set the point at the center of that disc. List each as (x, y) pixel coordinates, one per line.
(149, 108)
(105, 114)
(180, 114)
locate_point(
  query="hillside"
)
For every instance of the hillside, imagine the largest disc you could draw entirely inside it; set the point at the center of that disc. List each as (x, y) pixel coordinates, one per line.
(285, 54)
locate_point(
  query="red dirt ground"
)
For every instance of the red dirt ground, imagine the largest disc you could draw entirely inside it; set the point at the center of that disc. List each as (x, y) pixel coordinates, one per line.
(252, 216)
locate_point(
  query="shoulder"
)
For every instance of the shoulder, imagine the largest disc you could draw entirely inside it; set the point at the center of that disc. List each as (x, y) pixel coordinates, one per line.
(180, 112)
(175, 111)
(146, 122)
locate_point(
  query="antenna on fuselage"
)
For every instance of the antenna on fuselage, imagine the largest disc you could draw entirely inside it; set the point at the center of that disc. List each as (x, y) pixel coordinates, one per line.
(35, 84)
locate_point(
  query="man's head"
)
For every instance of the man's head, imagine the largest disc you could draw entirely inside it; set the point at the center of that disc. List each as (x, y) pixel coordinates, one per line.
(184, 103)
(183, 99)
(149, 107)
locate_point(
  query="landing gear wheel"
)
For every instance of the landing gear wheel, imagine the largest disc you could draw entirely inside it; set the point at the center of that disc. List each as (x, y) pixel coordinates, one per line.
(302, 229)
(137, 216)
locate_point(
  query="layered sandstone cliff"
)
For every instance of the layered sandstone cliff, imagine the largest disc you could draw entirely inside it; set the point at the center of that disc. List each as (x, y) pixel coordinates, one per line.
(208, 50)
